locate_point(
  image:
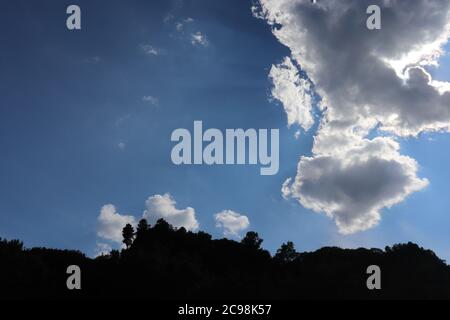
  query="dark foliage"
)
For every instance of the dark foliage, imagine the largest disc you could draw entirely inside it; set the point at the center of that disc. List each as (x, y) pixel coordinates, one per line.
(286, 253)
(252, 240)
(142, 227)
(167, 263)
(128, 235)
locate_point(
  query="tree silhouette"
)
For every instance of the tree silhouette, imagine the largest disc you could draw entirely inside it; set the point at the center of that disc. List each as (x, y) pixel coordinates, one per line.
(180, 264)
(182, 230)
(142, 227)
(162, 224)
(252, 240)
(128, 235)
(11, 246)
(286, 253)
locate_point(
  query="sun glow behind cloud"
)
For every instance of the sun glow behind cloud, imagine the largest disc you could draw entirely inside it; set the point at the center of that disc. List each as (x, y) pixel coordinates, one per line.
(369, 83)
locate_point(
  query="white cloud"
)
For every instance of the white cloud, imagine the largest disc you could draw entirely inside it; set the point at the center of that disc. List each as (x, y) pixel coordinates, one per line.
(151, 100)
(150, 50)
(181, 24)
(168, 18)
(231, 222)
(199, 39)
(163, 206)
(369, 81)
(111, 223)
(375, 74)
(102, 249)
(123, 119)
(293, 92)
(352, 186)
(121, 145)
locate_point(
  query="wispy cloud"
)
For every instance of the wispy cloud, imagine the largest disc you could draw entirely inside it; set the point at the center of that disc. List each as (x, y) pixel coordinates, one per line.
(180, 25)
(151, 100)
(199, 39)
(150, 50)
(102, 249)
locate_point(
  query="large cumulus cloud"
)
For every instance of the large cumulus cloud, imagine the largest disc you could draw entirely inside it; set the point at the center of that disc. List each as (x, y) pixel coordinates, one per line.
(370, 81)
(353, 185)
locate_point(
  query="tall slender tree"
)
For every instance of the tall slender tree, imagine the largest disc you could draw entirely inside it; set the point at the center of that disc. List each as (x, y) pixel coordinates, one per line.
(128, 235)
(142, 227)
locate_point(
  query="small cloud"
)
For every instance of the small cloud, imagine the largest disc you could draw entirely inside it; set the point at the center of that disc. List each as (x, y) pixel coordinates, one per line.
(168, 18)
(111, 223)
(199, 39)
(163, 206)
(150, 50)
(181, 24)
(231, 222)
(121, 145)
(122, 119)
(93, 60)
(151, 100)
(102, 249)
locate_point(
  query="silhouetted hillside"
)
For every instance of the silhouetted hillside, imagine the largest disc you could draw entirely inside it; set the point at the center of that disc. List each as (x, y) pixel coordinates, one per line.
(166, 263)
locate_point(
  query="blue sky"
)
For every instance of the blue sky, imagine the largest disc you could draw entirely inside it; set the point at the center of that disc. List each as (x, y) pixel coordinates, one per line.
(69, 98)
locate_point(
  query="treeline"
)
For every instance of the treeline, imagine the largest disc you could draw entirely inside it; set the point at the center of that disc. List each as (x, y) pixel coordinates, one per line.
(162, 262)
